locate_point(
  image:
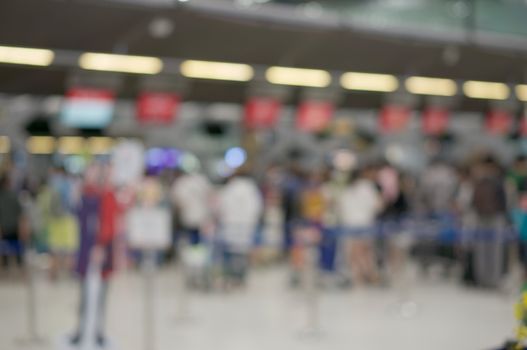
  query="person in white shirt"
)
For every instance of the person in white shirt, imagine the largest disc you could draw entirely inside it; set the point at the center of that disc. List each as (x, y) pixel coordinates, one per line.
(359, 206)
(239, 213)
(190, 195)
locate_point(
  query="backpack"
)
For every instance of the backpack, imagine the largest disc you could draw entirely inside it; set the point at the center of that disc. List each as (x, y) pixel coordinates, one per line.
(313, 204)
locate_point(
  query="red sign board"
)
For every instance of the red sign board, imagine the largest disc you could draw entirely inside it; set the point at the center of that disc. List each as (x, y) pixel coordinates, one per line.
(435, 120)
(314, 115)
(90, 94)
(394, 118)
(499, 122)
(157, 107)
(262, 112)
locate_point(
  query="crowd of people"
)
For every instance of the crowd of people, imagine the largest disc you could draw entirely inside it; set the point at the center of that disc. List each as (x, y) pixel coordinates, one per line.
(364, 224)
(355, 227)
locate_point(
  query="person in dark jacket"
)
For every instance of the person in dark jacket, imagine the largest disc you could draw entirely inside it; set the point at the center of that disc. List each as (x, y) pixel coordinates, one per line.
(12, 227)
(490, 208)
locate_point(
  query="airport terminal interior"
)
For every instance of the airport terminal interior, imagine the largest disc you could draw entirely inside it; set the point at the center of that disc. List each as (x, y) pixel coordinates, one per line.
(263, 174)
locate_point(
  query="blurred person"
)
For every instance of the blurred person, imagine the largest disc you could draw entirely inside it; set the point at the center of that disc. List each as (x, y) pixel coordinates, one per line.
(313, 200)
(98, 219)
(466, 218)
(332, 189)
(437, 187)
(43, 208)
(436, 195)
(516, 181)
(13, 227)
(308, 230)
(489, 203)
(292, 187)
(396, 210)
(190, 194)
(271, 236)
(463, 199)
(150, 194)
(239, 213)
(62, 226)
(517, 202)
(359, 207)
(34, 219)
(388, 179)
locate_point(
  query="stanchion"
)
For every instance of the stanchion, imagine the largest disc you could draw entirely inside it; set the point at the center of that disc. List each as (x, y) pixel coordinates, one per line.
(32, 339)
(310, 279)
(91, 315)
(403, 278)
(514, 279)
(182, 312)
(149, 267)
(149, 231)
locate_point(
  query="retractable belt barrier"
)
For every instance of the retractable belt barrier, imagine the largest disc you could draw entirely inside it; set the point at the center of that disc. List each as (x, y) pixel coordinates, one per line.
(423, 229)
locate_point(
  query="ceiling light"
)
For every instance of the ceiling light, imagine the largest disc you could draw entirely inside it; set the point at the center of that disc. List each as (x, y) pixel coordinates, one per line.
(369, 82)
(521, 92)
(161, 27)
(486, 90)
(298, 76)
(217, 70)
(120, 63)
(21, 55)
(431, 86)
(40, 144)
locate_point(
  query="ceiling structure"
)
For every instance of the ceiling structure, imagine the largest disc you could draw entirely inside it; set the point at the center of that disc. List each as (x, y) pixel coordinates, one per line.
(200, 32)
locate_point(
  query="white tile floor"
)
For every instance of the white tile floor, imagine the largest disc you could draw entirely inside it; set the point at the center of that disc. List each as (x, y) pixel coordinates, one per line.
(270, 316)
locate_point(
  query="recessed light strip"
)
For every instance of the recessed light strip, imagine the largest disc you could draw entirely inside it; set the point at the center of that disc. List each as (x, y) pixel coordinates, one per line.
(26, 56)
(486, 90)
(298, 76)
(431, 86)
(216, 70)
(120, 63)
(369, 82)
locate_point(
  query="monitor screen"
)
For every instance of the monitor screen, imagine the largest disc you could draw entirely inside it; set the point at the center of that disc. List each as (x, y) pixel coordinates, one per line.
(88, 108)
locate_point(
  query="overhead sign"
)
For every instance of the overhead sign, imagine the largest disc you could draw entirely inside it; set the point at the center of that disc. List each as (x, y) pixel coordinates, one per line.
(435, 120)
(499, 122)
(149, 228)
(394, 118)
(262, 112)
(157, 107)
(314, 115)
(88, 108)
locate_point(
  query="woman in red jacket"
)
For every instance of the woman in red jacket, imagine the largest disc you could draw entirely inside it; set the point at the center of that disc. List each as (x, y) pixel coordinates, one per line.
(98, 215)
